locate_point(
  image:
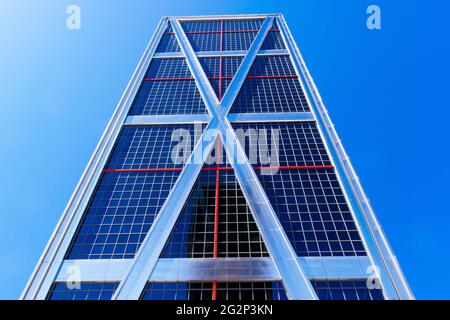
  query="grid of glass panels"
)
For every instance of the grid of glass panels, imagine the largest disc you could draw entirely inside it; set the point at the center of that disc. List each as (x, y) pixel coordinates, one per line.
(275, 25)
(153, 147)
(288, 143)
(276, 65)
(166, 97)
(168, 88)
(238, 40)
(86, 291)
(168, 42)
(202, 26)
(242, 25)
(193, 234)
(132, 190)
(312, 208)
(211, 66)
(120, 214)
(273, 41)
(271, 86)
(346, 290)
(204, 41)
(263, 95)
(220, 76)
(211, 41)
(203, 291)
(168, 68)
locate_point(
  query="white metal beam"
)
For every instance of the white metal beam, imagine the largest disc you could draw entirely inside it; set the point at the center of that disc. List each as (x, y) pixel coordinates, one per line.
(220, 269)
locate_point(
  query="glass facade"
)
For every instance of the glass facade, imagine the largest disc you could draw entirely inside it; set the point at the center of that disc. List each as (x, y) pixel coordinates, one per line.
(204, 291)
(82, 291)
(218, 229)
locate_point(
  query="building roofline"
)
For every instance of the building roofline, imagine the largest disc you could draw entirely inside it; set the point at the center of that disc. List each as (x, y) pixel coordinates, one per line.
(227, 16)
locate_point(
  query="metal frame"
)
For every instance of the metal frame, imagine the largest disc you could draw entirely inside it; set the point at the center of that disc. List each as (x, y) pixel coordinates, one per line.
(296, 284)
(221, 269)
(295, 272)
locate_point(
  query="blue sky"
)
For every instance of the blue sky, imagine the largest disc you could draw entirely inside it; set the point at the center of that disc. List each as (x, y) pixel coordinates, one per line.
(387, 92)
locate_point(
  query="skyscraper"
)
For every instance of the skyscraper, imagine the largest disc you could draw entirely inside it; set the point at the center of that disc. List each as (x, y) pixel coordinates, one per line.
(220, 176)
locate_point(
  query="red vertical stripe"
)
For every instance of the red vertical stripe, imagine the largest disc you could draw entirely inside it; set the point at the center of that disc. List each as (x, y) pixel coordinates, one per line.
(214, 290)
(216, 213)
(216, 207)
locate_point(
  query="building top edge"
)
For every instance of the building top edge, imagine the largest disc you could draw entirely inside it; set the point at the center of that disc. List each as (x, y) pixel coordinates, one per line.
(226, 16)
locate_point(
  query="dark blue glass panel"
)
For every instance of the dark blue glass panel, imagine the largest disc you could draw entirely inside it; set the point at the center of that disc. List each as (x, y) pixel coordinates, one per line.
(273, 41)
(120, 214)
(274, 25)
(168, 97)
(86, 291)
(177, 291)
(287, 143)
(346, 290)
(193, 234)
(168, 68)
(250, 291)
(272, 66)
(204, 41)
(237, 40)
(242, 25)
(143, 147)
(270, 95)
(211, 66)
(202, 26)
(314, 212)
(203, 291)
(168, 43)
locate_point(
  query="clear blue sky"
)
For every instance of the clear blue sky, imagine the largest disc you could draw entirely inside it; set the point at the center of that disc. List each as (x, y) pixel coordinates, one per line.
(388, 92)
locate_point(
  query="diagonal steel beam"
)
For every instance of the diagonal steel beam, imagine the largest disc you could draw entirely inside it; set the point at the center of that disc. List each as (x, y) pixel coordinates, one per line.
(295, 281)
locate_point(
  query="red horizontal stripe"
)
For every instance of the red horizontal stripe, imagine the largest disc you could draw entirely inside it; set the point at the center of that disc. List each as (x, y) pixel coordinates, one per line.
(293, 167)
(220, 168)
(218, 32)
(143, 170)
(217, 168)
(290, 76)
